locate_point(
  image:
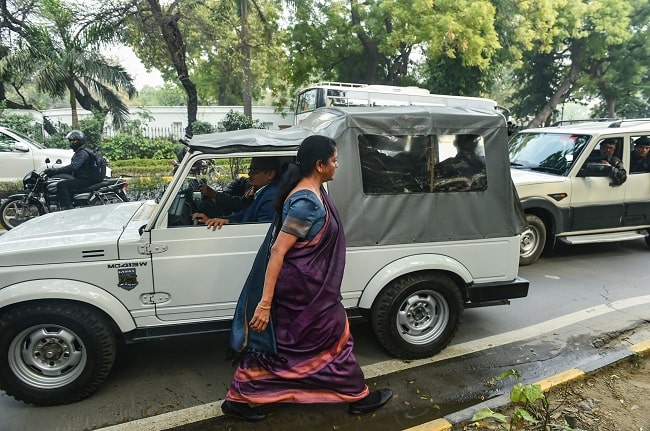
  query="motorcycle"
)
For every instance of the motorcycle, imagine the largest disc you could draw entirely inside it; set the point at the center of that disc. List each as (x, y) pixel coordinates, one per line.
(202, 168)
(40, 197)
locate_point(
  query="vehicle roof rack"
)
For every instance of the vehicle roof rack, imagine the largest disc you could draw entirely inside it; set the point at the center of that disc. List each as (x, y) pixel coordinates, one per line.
(585, 120)
(619, 123)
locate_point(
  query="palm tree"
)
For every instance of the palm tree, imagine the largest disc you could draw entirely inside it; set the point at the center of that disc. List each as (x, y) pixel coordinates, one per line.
(62, 57)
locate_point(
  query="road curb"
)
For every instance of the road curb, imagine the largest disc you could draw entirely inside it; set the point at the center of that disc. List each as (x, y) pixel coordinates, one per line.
(465, 415)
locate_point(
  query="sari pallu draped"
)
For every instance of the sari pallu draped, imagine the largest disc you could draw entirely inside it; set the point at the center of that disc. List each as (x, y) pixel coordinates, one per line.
(314, 362)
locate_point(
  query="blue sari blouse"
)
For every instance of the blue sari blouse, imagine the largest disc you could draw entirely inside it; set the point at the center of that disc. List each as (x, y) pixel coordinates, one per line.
(303, 215)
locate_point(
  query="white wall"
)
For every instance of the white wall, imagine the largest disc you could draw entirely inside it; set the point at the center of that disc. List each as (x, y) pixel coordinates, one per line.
(176, 116)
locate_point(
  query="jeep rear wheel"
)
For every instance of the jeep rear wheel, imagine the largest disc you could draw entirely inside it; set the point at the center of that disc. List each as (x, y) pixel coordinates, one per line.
(533, 240)
(54, 352)
(418, 315)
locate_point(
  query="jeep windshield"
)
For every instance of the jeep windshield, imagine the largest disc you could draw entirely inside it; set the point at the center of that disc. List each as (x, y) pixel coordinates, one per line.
(547, 152)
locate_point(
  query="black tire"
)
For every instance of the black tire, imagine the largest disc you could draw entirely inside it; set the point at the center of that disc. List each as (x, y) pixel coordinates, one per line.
(417, 315)
(215, 173)
(54, 352)
(533, 241)
(10, 209)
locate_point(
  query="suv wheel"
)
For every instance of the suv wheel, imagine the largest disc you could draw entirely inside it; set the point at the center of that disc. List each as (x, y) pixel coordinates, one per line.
(418, 315)
(54, 352)
(533, 240)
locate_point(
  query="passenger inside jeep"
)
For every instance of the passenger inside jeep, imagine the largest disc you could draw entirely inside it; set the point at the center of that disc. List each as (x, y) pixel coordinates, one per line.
(244, 199)
(264, 174)
(409, 164)
(381, 173)
(465, 171)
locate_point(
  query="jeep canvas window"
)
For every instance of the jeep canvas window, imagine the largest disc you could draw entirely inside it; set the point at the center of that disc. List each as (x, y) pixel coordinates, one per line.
(422, 163)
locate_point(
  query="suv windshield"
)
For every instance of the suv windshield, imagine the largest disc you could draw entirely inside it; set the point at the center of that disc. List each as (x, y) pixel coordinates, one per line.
(547, 152)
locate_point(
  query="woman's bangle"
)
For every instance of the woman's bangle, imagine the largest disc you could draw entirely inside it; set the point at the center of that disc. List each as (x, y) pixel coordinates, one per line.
(264, 307)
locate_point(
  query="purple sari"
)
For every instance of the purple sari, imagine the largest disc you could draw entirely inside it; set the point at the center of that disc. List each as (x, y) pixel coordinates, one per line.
(313, 362)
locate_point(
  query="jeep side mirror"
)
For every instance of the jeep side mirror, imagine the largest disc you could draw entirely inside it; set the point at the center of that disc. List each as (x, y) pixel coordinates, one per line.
(47, 160)
(595, 170)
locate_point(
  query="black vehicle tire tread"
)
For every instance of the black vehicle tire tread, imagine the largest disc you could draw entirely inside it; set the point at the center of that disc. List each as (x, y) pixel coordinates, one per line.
(6, 203)
(535, 221)
(384, 310)
(98, 338)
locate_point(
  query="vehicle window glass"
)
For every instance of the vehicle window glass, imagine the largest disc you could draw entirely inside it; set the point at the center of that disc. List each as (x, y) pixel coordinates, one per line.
(640, 154)
(618, 152)
(28, 139)
(221, 188)
(347, 98)
(422, 163)
(548, 152)
(597, 152)
(6, 143)
(307, 101)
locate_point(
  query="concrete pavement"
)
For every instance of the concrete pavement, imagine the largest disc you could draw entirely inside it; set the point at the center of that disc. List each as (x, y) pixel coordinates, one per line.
(430, 397)
(547, 384)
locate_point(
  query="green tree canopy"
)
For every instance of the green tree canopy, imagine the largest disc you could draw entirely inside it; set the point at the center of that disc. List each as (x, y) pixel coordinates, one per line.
(59, 53)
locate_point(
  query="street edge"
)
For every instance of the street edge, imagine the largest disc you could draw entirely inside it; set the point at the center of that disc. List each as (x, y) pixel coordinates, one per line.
(465, 415)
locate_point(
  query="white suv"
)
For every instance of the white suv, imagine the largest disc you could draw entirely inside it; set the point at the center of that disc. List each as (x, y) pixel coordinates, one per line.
(568, 195)
(420, 249)
(20, 155)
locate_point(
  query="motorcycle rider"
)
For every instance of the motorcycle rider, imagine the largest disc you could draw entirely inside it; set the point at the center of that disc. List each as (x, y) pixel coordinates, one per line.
(80, 168)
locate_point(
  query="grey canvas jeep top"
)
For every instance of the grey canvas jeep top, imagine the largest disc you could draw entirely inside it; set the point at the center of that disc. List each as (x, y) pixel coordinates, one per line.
(423, 214)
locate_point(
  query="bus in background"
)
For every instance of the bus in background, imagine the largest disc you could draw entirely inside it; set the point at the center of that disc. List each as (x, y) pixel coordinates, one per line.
(347, 94)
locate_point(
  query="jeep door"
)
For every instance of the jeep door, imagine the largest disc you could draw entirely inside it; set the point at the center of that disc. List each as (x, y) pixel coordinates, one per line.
(595, 202)
(198, 272)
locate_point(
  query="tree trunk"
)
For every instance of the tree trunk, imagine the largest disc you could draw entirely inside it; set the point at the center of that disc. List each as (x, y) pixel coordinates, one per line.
(177, 53)
(611, 106)
(372, 51)
(246, 61)
(73, 105)
(564, 90)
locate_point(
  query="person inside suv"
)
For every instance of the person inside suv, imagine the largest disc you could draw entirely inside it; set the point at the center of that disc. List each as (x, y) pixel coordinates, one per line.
(606, 155)
(639, 161)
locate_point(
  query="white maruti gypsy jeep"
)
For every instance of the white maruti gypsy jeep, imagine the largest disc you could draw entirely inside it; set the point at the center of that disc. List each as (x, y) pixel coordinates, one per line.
(421, 248)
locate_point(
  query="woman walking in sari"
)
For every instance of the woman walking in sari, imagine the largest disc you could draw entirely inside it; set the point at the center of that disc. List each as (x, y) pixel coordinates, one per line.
(290, 329)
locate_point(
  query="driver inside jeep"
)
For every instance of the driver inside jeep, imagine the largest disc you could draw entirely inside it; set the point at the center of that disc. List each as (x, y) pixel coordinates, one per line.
(235, 196)
(263, 176)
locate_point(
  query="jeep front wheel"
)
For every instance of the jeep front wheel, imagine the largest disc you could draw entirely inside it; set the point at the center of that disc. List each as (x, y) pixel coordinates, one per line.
(533, 240)
(54, 352)
(418, 315)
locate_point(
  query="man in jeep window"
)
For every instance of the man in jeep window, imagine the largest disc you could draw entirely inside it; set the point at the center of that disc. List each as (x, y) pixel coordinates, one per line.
(639, 161)
(465, 171)
(80, 168)
(606, 155)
